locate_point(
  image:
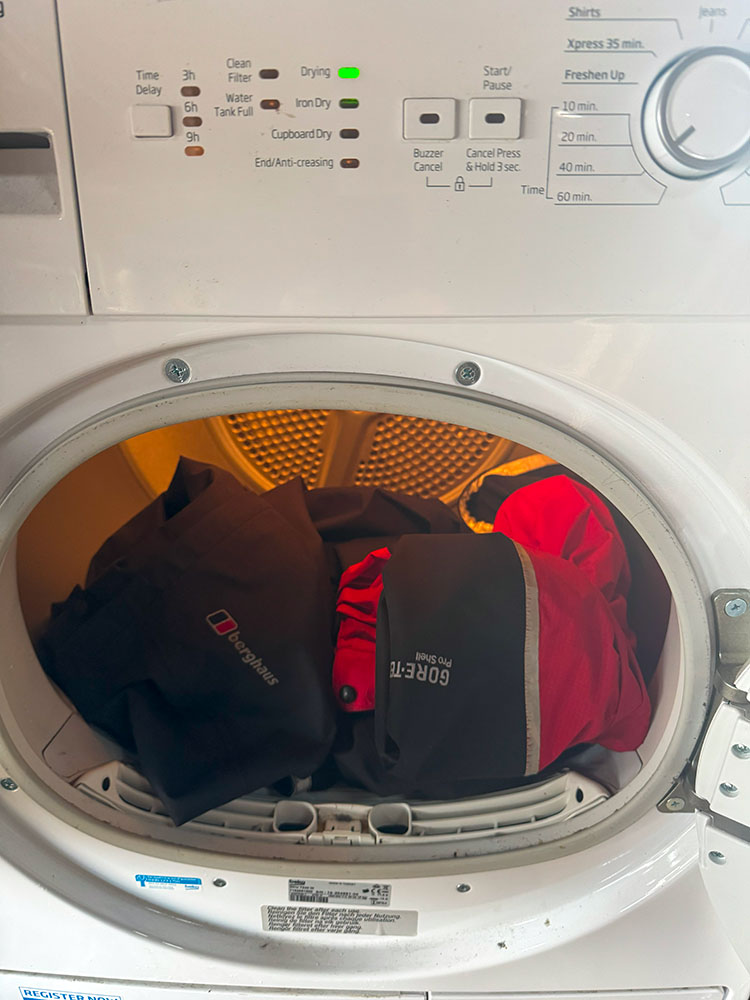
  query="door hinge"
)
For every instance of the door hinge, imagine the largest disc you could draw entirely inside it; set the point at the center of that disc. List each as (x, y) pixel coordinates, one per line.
(732, 620)
(681, 798)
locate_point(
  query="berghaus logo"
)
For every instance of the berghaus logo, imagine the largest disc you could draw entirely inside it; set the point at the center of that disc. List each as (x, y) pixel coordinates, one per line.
(221, 622)
(225, 625)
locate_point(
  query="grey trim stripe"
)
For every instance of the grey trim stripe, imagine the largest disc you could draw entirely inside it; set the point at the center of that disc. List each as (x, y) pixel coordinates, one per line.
(531, 662)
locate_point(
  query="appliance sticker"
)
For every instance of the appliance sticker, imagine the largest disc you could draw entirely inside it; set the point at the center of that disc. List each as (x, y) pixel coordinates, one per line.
(310, 890)
(29, 993)
(339, 920)
(168, 882)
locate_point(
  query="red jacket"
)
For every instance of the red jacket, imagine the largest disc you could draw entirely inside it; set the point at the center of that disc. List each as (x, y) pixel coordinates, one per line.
(581, 680)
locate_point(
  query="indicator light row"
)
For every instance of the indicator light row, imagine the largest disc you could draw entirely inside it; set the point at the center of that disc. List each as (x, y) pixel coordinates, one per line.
(271, 103)
(348, 163)
(345, 73)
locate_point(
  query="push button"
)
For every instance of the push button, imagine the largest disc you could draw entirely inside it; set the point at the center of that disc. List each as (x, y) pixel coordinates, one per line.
(495, 118)
(430, 118)
(151, 121)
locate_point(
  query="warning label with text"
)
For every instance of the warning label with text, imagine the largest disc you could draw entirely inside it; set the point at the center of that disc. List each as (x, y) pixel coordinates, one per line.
(339, 920)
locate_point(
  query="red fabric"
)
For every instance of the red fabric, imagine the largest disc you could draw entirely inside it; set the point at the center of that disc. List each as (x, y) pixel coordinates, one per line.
(354, 661)
(590, 684)
(564, 518)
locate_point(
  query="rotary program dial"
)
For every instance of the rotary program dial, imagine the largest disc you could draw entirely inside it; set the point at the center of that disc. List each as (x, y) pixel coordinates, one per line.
(696, 120)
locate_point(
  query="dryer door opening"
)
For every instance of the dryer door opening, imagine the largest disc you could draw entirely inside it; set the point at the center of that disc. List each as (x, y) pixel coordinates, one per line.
(420, 457)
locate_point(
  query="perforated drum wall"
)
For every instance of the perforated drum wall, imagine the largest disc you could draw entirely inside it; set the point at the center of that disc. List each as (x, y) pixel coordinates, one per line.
(414, 455)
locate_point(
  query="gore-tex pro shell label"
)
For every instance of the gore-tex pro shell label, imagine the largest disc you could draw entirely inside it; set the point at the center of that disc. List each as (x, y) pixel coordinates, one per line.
(339, 920)
(309, 890)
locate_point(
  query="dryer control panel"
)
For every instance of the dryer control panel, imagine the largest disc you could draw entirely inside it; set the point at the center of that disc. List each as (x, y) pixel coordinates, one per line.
(419, 158)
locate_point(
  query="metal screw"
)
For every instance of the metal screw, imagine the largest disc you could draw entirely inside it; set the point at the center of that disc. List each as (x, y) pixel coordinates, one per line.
(728, 789)
(741, 750)
(9, 785)
(675, 804)
(467, 373)
(219, 883)
(717, 857)
(736, 607)
(463, 887)
(177, 370)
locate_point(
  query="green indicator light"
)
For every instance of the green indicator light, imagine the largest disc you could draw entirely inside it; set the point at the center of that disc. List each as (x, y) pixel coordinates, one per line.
(348, 72)
(348, 102)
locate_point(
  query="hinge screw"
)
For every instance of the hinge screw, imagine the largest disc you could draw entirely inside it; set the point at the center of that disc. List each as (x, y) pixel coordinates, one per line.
(467, 373)
(9, 785)
(220, 883)
(463, 887)
(736, 607)
(675, 804)
(741, 750)
(717, 857)
(177, 370)
(728, 789)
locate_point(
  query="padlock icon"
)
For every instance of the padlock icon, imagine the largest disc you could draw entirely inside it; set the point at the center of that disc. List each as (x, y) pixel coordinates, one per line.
(460, 184)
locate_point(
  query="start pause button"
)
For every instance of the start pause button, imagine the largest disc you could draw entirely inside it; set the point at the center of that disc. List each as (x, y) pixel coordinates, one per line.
(495, 118)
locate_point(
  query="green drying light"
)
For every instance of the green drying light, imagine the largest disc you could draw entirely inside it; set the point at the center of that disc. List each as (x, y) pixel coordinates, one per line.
(349, 72)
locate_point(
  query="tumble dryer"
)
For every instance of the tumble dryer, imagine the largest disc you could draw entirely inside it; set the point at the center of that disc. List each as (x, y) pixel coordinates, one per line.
(398, 244)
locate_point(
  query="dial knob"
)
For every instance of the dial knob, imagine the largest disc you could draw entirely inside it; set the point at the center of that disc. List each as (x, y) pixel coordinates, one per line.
(696, 119)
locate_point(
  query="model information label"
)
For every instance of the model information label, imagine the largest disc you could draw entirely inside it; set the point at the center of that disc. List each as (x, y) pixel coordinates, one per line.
(308, 890)
(339, 920)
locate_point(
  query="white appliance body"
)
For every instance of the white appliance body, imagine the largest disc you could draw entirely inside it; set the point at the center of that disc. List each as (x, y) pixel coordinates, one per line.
(592, 264)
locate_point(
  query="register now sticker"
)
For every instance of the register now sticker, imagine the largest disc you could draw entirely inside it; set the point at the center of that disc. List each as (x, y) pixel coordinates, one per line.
(42, 994)
(168, 882)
